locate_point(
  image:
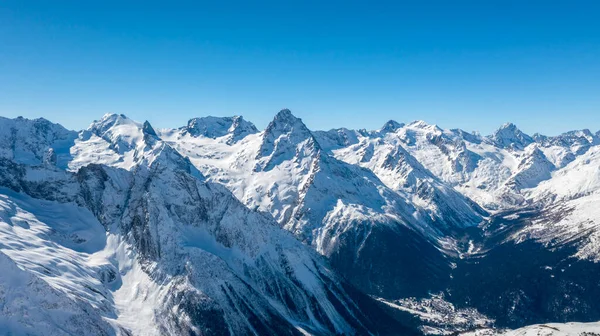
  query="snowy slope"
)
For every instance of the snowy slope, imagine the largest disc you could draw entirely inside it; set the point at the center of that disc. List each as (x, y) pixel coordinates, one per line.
(30, 306)
(569, 205)
(547, 329)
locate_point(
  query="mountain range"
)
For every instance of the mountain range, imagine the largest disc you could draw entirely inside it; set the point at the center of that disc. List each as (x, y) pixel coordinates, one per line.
(218, 228)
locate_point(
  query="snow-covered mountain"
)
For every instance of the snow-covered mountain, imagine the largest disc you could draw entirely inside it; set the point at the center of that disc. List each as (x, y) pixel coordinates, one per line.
(35, 141)
(218, 228)
(493, 171)
(540, 192)
(232, 129)
(381, 153)
(546, 329)
(367, 229)
(142, 244)
(452, 179)
(458, 187)
(509, 136)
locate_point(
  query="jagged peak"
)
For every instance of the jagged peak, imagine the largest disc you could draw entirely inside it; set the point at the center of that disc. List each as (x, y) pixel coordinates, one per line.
(284, 113)
(216, 127)
(114, 117)
(584, 133)
(283, 134)
(418, 123)
(285, 117)
(35, 141)
(164, 155)
(110, 120)
(33, 122)
(509, 126)
(510, 136)
(122, 133)
(241, 124)
(581, 132)
(473, 137)
(148, 129)
(391, 126)
(579, 137)
(421, 124)
(150, 135)
(195, 122)
(286, 122)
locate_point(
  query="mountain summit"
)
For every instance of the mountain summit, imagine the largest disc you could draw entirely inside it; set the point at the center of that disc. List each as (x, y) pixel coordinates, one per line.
(235, 127)
(509, 136)
(285, 137)
(390, 126)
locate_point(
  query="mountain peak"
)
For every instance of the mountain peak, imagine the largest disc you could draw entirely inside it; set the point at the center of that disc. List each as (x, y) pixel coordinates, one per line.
(285, 115)
(147, 129)
(112, 117)
(286, 122)
(584, 133)
(508, 126)
(30, 141)
(510, 136)
(284, 134)
(149, 133)
(215, 127)
(110, 120)
(422, 124)
(122, 133)
(390, 126)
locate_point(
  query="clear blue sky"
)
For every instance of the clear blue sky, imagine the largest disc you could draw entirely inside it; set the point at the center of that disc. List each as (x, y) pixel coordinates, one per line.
(467, 64)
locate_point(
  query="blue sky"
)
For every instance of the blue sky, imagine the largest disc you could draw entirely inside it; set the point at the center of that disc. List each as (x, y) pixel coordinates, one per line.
(467, 64)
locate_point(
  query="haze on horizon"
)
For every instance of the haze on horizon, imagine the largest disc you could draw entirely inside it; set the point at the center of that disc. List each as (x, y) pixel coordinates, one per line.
(467, 64)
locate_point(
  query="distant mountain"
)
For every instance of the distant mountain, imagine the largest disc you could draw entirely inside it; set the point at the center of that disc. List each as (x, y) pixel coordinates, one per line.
(233, 128)
(35, 141)
(508, 136)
